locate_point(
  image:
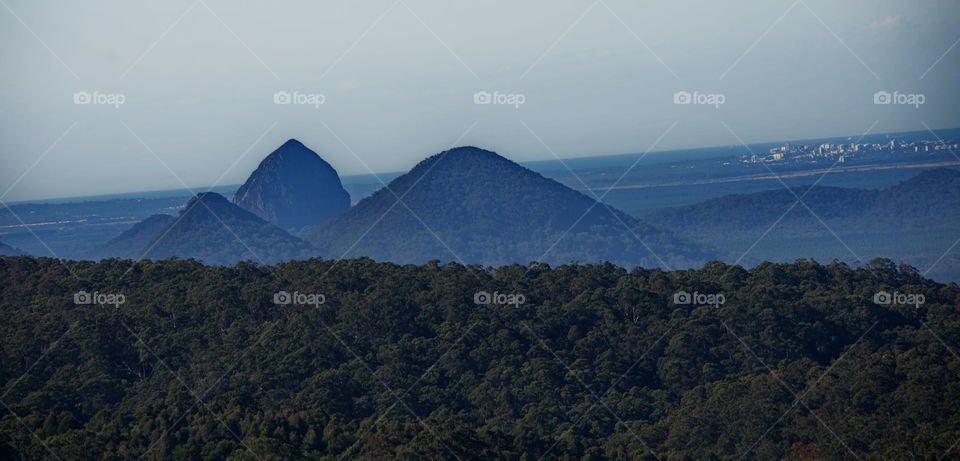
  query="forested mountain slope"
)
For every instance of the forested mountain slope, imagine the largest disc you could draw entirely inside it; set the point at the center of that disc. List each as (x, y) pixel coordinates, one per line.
(595, 363)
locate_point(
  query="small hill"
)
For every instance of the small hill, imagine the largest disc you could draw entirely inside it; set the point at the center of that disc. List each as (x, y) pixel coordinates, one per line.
(916, 221)
(293, 188)
(929, 199)
(215, 231)
(132, 242)
(486, 209)
(7, 250)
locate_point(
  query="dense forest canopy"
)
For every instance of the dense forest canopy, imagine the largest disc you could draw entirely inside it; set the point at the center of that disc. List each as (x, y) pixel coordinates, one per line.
(799, 361)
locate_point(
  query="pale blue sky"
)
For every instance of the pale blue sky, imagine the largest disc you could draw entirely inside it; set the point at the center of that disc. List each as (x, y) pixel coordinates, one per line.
(398, 78)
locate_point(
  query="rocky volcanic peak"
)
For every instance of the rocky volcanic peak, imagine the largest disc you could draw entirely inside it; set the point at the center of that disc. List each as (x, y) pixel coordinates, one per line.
(293, 188)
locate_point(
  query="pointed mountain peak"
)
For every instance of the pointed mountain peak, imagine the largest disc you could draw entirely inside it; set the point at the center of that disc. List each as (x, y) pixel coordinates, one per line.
(293, 188)
(209, 198)
(292, 143)
(293, 146)
(490, 210)
(466, 159)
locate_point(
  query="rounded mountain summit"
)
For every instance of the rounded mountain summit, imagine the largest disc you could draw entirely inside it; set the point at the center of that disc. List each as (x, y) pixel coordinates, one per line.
(293, 188)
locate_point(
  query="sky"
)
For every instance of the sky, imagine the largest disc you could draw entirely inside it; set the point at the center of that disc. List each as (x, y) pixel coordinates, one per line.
(100, 97)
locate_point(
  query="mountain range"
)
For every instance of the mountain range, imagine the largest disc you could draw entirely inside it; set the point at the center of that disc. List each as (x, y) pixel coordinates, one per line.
(915, 221)
(209, 229)
(474, 206)
(7, 250)
(930, 199)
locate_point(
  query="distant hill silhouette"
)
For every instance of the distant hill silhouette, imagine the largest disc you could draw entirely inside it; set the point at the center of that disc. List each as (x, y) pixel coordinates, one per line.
(915, 221)
(7, 250)
(215, 231)
(132, 242)
(293, 188)
(928, 200)
(489, 210)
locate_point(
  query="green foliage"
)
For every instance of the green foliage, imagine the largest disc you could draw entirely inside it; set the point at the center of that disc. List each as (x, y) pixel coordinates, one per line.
(598, 363)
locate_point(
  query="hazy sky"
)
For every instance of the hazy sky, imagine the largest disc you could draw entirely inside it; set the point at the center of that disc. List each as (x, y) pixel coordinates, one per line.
(198, 81)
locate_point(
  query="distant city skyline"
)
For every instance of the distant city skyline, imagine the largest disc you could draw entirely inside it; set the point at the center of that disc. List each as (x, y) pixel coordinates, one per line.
(110, 97)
